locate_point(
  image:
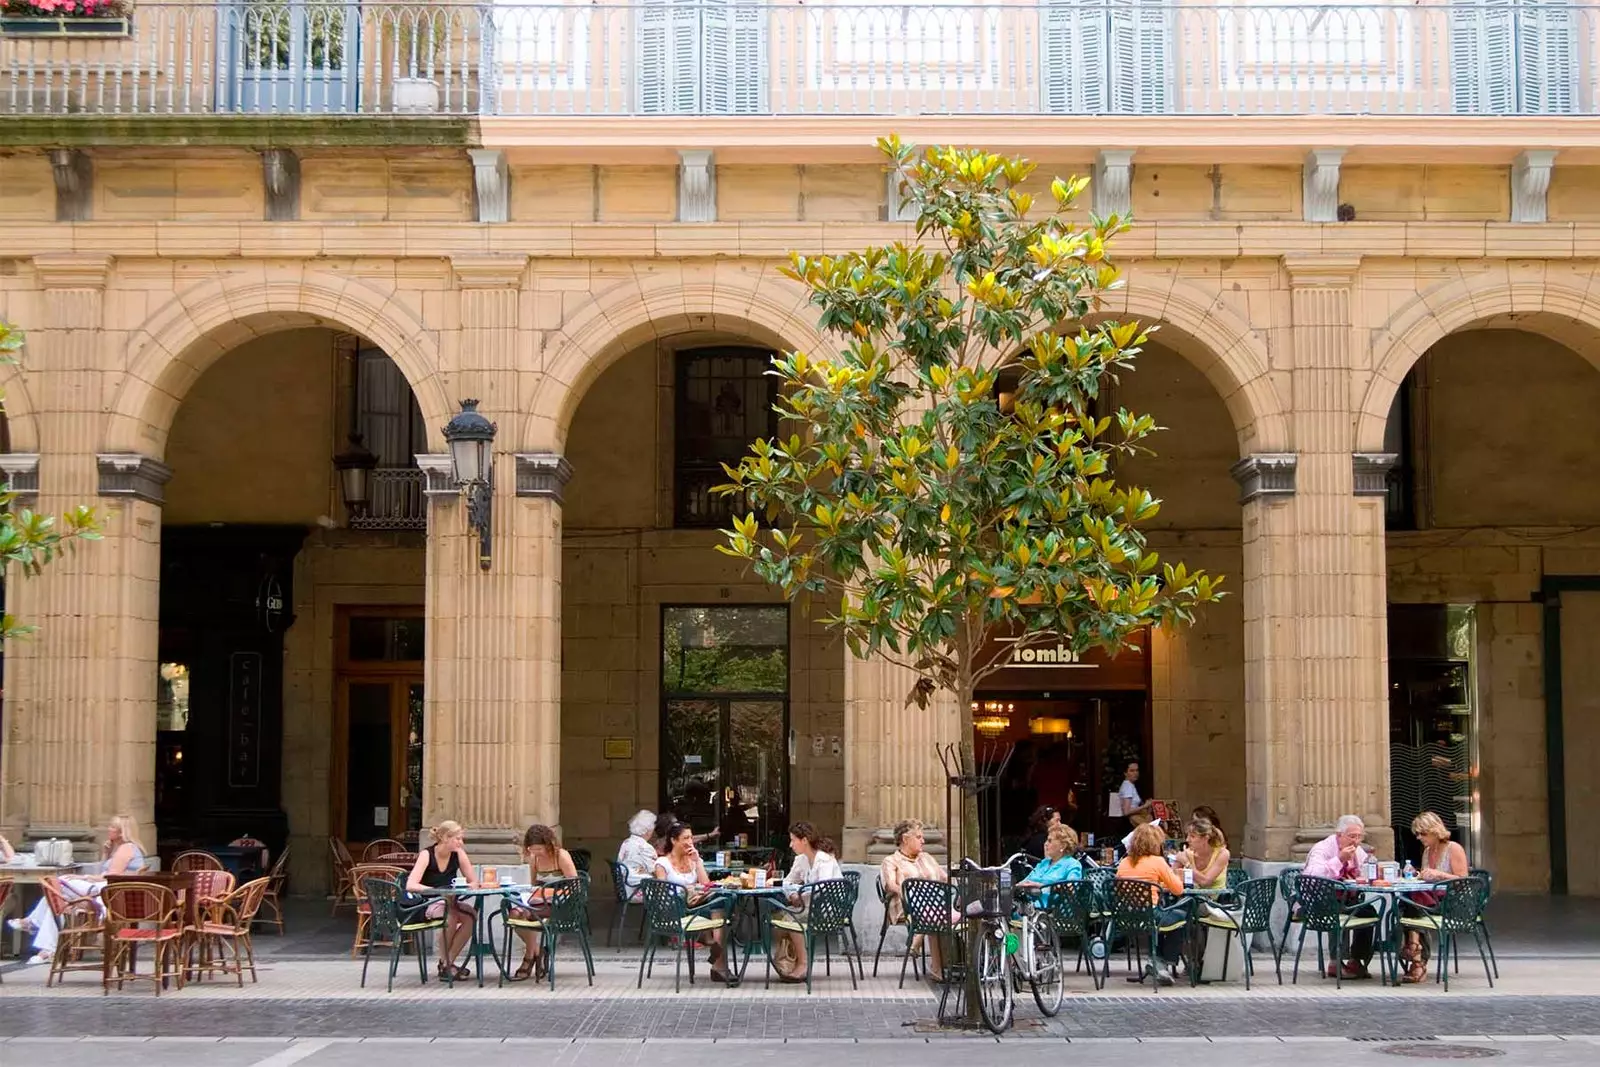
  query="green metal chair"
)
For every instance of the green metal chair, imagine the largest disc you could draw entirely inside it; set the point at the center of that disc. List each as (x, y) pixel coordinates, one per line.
(1135, 915)
(1250, 915)
(1073, 906)
(1456, 914)
(668, 917)
(928, 907)
(883, 924)
(564, 910)
(826, 913)
(1323, 912)
(1483, 874)
(625, 896)
(1288, 890)
(392, 924)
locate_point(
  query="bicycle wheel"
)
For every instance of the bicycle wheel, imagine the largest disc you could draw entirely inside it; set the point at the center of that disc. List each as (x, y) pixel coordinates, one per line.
(995, 1000)
(1047, 980)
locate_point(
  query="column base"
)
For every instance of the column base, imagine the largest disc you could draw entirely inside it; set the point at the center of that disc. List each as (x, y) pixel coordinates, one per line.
(1282, 844)
(494, 846)
(861, 845)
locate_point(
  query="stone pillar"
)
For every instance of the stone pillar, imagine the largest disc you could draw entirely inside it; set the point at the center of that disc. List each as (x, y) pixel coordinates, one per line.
(492, 727)
(891, 768)
(1315, 631)
(80, 691)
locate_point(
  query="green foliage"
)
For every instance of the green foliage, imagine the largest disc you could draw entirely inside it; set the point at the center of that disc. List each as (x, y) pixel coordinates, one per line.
(936, 513)
(26, 539)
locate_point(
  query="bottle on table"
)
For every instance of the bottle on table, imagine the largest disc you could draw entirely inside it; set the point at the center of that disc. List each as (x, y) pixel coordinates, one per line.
(1409, 873)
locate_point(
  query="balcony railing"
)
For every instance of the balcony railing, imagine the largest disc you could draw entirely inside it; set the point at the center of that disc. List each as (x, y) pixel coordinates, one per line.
(743, 57)
(397, 502)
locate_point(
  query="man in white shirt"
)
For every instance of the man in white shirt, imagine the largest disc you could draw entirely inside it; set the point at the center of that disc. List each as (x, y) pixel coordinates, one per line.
(1135, 809)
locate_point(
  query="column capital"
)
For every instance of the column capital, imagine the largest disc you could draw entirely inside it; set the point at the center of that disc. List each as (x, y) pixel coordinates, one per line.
(22, 475)
(72, 270)
(1322, 272)
(488, 271)
(1370, 471)
(1265, 474)
(129, 474)
(542, 474)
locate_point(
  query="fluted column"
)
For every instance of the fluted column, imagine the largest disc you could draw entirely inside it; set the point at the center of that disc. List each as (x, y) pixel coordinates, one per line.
(492, 727)
(80, 692)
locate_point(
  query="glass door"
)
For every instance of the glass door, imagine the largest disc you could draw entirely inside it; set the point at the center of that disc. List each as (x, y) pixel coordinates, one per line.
(291, 56)
(383, 758)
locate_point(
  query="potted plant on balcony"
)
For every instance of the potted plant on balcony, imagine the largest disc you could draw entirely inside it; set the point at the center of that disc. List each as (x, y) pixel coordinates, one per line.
(416, 39)
(65, 18)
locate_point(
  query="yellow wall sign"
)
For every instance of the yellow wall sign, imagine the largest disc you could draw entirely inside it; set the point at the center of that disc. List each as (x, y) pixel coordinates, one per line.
(619, 748)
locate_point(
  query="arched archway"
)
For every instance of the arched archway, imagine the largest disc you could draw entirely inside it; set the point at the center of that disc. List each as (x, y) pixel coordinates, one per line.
(22, 433)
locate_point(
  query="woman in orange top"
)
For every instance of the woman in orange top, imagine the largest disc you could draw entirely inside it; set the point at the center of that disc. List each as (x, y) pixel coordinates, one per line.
(1145, 863)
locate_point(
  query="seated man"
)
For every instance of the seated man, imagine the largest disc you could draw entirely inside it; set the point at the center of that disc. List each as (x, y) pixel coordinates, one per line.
(1339, 857)
(1060, 863)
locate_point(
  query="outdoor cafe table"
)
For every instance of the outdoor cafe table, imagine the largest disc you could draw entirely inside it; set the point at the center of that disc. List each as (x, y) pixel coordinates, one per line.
(1387, 898)
(745, 903)
(480, 922)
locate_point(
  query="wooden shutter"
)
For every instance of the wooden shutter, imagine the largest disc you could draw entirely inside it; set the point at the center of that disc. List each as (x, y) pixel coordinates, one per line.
(1547, 62)
(668, 65)
(1483, 69)
(1141, 57)
(1072, 57)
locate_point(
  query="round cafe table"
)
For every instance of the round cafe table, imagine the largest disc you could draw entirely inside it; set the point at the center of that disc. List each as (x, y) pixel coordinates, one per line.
(744, 905)
(480, 940)
(1387, 897)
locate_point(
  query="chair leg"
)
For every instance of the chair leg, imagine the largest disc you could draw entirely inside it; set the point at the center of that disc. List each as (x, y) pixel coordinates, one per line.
(883, 934)
(1487, 941)
(911, 941)
(644, 956)
(366, 959)
(1482, 956)
(1300, 946)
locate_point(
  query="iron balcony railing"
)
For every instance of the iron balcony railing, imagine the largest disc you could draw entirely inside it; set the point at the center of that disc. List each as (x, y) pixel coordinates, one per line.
(398, 502)
(742, 57)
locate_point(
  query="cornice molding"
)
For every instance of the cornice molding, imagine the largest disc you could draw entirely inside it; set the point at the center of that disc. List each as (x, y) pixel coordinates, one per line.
(72, 270)
(489, 272)
(1322, 272)
(129, 474)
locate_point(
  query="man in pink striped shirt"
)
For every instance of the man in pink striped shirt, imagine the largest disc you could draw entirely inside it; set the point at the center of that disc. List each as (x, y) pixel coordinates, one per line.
(1339, 857)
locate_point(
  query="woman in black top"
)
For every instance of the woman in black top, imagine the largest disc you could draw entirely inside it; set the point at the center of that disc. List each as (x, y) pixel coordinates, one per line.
(1039, 827)
(437, 867)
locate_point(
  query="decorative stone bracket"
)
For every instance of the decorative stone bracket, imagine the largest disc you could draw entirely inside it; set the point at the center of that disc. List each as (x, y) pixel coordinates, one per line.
(22, 476)
(1530, 185)
(542, 474)
(129, 474)
(280, 173)
(1322, 184)
(697, 185)
(438, 480)
(1111, 190)
(896, 207)
(74, 176)
(493, 179)
(1370, 471)
(1265, 474)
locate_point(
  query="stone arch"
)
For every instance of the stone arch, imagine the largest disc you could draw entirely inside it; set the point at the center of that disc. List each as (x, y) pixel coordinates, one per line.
(1566, 310)
(21, 427)
(185, 336)
(654, 303)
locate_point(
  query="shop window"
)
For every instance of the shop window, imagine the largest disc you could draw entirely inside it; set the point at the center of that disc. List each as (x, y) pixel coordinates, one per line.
(724, 403)
(380, 639)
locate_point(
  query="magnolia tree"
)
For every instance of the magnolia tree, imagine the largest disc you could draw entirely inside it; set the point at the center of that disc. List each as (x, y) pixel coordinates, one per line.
(28, 540)
(952, 479)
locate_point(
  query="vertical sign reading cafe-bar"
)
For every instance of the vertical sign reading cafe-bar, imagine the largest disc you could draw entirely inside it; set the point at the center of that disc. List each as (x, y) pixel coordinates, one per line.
(244, 720)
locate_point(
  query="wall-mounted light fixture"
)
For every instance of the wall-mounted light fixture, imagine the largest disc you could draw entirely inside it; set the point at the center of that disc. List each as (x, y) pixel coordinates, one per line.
(355, 465)
(471, 440)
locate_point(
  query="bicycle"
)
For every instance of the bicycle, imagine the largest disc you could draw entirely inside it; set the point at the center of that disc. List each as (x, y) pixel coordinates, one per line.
(988, 950)
(1038, 951)
(1004, 959)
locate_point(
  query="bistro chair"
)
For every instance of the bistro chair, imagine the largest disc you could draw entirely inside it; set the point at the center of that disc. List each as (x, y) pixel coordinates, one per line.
(1288, 889)
(383, 846)
(226, 924)
(359, 874)
(277, 885)
(562, 908)
(1238, 876)
(668, 918)
(396, 859)
(1073, 906)
(1250, 915)
(581, 858)
(343, 886)
(625, 896)
(196, 860)
(1458, 912)
(929, 908)
(1323, 912)
(849, 938)
(1482, 874)
(210, 886)
(142, 914)
(1135, 915)
(80, 929)
(391, 926)
(829, 903)
(884, 924)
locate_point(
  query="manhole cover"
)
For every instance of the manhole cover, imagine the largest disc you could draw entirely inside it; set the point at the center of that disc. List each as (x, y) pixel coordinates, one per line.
(1435, 1051)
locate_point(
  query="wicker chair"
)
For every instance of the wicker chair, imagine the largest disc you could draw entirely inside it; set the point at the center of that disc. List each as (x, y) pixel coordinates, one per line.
(81, 930)
(227, 922)
(342, 862)
(277, 884)
(142, 914)
(359, 874)
(375, 851)
(210, 886)
(196, 860)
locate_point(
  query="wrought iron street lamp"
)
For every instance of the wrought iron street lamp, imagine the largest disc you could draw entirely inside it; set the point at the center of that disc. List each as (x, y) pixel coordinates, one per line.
(355, 465)
(471, 440)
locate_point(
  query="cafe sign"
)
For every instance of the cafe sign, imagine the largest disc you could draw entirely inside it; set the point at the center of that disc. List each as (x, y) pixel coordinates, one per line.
(1056, 656)
(1046, 663)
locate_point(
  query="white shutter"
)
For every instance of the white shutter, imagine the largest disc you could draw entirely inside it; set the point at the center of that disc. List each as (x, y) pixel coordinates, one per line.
(1072, 57)
(716, 50)
(1141, 57)
(1483, 69)
(733, 36)
(1547, 62)
(668, 60)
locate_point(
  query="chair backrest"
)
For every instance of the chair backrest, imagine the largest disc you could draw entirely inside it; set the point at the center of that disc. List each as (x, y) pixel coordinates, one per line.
(1462, 904)
(363, 872)
(1238, 876)
(854, 878)
(928, 905)
(1256, 897)
(1133, 903)
(239, 909)
(1319, 902)
(342, 860)
(381, 847)
(619, 881)
(196, 860)
(212, 885)
(1022, 866)
(883, 898)
(831, 903)
(5, 892)
(1483, 875)
(1071, 906)
(383, 899)
(568, 899)
(581, 858)
(139, 902)
(665, 906)
(1287, 886)
(280, 866)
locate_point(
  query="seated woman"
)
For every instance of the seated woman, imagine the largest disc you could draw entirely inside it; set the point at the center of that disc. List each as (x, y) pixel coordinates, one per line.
(1145, 863)
(1206, 853)
(813, 862)
(1443, 860)
(682, 866)
(1060, 863)
(121, 854)
(547, 862)
(638, 853)
(437, 867)
(911, 860)
(7, 853)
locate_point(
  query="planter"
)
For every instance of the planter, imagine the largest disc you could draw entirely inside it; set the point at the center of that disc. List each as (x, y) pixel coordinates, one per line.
(45, 26)
(415, 96)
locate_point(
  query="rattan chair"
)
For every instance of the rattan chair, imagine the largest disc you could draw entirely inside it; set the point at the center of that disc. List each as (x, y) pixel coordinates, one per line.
(342, 862)
(142, 915)
(383, 846)
(277, 886)
(81, 930)
(196, 860)
(226, 924)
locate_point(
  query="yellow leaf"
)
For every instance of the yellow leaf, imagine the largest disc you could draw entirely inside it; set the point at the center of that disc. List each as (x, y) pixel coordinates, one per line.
(944, 513)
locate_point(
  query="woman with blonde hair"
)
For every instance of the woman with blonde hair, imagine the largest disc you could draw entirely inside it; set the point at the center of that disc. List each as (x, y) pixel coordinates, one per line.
(1443, 860)
(122, 853)
(1206, 851)
(437, 867)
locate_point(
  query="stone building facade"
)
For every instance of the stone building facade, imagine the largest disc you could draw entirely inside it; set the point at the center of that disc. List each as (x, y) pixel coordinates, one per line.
(1389, 412)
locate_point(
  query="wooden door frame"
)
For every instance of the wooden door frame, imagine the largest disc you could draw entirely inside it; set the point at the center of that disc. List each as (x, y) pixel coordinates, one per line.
(346, 671)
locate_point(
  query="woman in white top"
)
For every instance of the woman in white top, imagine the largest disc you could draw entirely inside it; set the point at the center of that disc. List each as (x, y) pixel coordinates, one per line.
(637, 855)
(682, 867)
(122, 854)
(813, 862)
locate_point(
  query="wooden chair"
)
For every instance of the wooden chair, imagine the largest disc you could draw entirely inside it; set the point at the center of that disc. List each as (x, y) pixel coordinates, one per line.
(139, 914)
(374, 852)
(277, 883)
(196, 860)
(358, 875)
(342, 862)
(227, 923)
(80, 929)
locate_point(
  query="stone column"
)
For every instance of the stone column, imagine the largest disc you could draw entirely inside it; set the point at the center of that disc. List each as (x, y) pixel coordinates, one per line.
(891, 769)
(80, 691)
(492, 728)
(1316, 643)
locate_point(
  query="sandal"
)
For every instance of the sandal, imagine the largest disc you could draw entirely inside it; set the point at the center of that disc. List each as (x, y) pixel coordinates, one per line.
(463, 972)
(524, 972)
(540, 970)
(1416, 972)
(446, 972)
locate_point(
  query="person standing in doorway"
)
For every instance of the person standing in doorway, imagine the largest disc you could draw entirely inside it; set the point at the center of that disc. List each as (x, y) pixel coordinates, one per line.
(1134, 808)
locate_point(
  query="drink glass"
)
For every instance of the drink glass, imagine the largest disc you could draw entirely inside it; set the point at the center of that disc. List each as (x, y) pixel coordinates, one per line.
(1188, 877)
